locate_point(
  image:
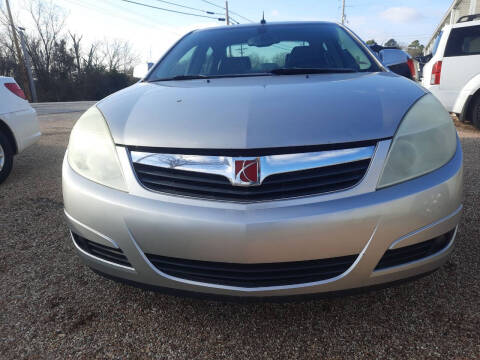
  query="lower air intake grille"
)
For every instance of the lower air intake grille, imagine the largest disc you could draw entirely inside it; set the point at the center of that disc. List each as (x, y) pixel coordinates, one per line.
(414, 252)
(101, 251)
(253, 275)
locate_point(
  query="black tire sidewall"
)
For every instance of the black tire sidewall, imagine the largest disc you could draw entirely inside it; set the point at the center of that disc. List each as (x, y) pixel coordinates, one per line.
(7, 149)
(476, 112)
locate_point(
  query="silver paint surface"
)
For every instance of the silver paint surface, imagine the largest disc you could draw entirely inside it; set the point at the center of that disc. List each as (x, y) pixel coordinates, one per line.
(260, 112)
(254, 113)
(361, 220)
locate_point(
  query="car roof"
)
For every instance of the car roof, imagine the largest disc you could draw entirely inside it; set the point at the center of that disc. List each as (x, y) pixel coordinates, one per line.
(257, 24)
(464, 24)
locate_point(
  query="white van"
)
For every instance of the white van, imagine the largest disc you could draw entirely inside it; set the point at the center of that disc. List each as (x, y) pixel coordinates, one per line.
(453, 73)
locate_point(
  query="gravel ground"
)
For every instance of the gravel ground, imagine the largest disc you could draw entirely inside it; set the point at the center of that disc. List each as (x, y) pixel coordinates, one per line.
(53, 306)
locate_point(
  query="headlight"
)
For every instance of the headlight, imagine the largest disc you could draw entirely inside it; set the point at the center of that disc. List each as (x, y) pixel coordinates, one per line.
(91, 151)
(425, 141)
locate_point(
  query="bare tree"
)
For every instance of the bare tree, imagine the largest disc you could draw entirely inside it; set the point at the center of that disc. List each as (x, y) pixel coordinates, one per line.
(8, 57)
(65, 66)
(49, 21)
(119, 55)
(76, 49)
(6, 38)
(91, 59)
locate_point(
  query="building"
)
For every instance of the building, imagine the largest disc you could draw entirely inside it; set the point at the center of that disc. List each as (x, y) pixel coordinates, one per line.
(458, 9)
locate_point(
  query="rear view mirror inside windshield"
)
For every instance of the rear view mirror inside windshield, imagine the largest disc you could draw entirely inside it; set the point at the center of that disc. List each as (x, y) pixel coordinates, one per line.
(262, 40)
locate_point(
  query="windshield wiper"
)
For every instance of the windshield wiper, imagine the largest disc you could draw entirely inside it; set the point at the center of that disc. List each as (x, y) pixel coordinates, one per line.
(193, 77)
(279, 71)
(300, 71)
(182, 77)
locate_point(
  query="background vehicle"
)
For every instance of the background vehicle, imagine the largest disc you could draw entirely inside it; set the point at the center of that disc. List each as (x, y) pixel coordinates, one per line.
(397, 60)
(18, 124)
(453, 73)
(422, 61)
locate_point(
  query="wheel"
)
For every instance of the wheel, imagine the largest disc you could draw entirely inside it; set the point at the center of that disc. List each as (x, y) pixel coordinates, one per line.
(476, 112)
(6, 157)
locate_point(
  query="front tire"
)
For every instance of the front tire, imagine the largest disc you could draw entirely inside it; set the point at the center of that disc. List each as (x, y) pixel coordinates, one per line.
(476, 112)
(6, 157)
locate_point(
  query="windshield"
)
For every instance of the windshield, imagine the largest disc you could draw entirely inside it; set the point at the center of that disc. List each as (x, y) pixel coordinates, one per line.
(254, 50)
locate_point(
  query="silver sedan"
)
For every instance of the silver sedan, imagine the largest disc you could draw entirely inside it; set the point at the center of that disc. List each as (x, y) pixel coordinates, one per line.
(265, 160)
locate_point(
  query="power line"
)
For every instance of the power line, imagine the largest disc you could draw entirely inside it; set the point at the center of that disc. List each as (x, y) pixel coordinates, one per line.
(211, 3)
(240, 16)
(173, 11)
(143, 22)
(362, 4)
(223, 8)
(188, 7)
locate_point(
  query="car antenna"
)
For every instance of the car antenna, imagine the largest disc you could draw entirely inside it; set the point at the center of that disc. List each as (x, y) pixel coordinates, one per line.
(263, 22)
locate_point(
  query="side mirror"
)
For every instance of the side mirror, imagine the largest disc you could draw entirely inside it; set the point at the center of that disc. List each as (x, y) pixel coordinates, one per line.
(390, 57)
(140, 71)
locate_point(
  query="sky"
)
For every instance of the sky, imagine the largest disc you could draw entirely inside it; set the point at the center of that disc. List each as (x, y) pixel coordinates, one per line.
(153, 31)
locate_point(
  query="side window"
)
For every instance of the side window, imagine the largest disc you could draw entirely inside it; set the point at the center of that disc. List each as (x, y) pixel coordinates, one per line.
(437, 42)
(349, 46)
(464, 41)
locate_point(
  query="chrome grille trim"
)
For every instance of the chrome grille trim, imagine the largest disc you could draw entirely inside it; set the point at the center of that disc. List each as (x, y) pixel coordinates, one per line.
(269, 165)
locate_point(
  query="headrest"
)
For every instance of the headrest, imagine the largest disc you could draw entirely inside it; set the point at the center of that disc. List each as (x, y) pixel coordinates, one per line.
(472, 45)
(305, 56)
(235, 65)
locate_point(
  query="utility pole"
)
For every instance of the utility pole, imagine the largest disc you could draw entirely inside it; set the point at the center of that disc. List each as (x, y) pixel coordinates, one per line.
(343, 12)
(21, 64)
(227, 17)
(28, 65)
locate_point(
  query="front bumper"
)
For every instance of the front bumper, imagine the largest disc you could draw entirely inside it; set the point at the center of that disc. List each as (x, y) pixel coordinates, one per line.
(358, 221)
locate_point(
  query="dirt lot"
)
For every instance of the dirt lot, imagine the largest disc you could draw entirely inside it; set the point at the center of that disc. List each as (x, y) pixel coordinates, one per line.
(55, 307)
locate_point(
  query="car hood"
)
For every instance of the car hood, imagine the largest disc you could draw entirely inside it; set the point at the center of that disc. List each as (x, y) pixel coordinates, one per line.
(260, 112)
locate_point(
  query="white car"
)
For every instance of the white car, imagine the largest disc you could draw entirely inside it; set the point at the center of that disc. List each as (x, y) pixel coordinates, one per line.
(18, 124)
(453, 73)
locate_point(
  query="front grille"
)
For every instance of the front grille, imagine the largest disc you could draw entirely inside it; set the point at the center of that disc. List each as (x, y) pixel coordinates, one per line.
(414, 252)
(101, 251)
(277, 186)
(253, 275)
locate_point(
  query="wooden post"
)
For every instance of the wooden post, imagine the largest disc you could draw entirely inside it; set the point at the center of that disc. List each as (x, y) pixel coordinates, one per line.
(21, 64)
